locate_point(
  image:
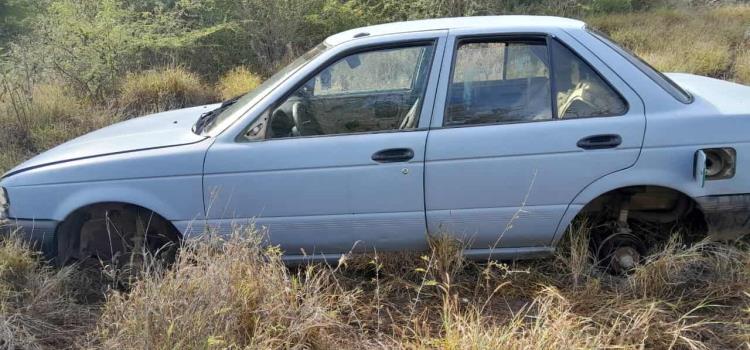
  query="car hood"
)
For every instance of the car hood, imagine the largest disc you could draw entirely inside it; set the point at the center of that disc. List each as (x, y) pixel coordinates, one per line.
(172, 128)
(726, 97)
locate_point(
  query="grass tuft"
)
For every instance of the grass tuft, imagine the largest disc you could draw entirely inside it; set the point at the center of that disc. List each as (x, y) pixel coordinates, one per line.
(236, 82)
(161, 90)
(229, 294)
(40, 307)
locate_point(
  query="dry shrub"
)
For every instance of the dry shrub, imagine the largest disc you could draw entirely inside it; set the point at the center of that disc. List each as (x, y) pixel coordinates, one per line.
(682, 297)
(230, 294)
(548, 322)
(552, 320)
(160, 90)
(39, 306)
(236, 82)
(705, 269)
(742, 66)
(682, 40)
(235, 293)
(49, 115)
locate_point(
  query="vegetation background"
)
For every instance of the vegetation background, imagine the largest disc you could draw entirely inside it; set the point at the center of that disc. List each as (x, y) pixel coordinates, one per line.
(70, 66)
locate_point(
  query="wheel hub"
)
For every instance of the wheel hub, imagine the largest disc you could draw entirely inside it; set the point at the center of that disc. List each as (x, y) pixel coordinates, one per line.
(620, 252)
(624, 259)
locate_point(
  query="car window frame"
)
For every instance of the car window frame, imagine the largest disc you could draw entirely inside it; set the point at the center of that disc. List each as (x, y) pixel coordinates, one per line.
(547, 37)
(264, 116)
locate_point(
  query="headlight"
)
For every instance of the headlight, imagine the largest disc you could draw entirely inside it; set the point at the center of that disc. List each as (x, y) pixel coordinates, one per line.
(4, 204)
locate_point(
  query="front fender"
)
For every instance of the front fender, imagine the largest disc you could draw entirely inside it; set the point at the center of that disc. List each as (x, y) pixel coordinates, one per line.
(174, 198)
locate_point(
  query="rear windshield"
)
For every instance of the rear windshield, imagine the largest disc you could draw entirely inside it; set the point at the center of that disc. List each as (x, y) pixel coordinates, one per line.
(667, 84)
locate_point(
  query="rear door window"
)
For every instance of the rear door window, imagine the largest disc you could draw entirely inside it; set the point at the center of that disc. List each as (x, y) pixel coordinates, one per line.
(496, 81)
(514, 80)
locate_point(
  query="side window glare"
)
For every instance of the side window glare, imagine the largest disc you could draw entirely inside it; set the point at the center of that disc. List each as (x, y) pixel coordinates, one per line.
(370, 91)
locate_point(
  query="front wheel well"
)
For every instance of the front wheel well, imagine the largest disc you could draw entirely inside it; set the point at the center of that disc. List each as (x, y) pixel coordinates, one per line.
(102, 228)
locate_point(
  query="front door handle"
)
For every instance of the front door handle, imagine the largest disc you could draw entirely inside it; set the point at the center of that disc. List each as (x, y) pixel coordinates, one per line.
(600, 141)
(393, 155)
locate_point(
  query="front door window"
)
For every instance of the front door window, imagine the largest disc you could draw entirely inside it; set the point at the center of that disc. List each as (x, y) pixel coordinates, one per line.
(372, 91)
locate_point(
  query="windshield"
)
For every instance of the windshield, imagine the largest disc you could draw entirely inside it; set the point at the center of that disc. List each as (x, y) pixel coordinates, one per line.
(660, 79)
(248, 99)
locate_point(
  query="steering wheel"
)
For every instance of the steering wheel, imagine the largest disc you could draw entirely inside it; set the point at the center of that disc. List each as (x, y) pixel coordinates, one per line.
(304, 123)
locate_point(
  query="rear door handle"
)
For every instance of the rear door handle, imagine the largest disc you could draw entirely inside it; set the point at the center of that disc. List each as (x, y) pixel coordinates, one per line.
(600, 141)
(393, 155)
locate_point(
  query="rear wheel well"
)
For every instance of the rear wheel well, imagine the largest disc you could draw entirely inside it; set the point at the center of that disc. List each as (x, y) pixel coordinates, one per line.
(655, 204)
(626, 223)
(103, 229)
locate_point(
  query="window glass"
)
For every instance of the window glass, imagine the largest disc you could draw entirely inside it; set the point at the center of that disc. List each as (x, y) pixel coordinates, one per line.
(372, 71)
(580, 91)
(499, 82)
(479, 62)
(365, 92)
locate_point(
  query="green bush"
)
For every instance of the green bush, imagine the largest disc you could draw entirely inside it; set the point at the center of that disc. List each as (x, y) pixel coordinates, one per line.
(160, 90)
(236, 82)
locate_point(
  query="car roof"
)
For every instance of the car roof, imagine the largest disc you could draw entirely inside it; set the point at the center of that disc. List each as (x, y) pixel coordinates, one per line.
(500, 22)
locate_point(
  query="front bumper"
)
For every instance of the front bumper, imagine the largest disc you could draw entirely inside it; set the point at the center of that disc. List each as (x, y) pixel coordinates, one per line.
(727, 216)
(40, 233)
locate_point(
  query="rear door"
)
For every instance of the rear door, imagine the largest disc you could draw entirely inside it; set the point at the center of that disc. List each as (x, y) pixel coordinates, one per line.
(522, 124)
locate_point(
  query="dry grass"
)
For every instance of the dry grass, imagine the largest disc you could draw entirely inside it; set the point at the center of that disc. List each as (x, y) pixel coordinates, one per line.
(161, 90)
(235, 293)
(230, 294)
(742, 66)
(699, 41)
(40, 307)
(236, 82)
(49, 114)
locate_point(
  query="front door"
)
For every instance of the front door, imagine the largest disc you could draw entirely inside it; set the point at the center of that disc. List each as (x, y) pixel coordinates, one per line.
(527, 123)
(339, 165)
